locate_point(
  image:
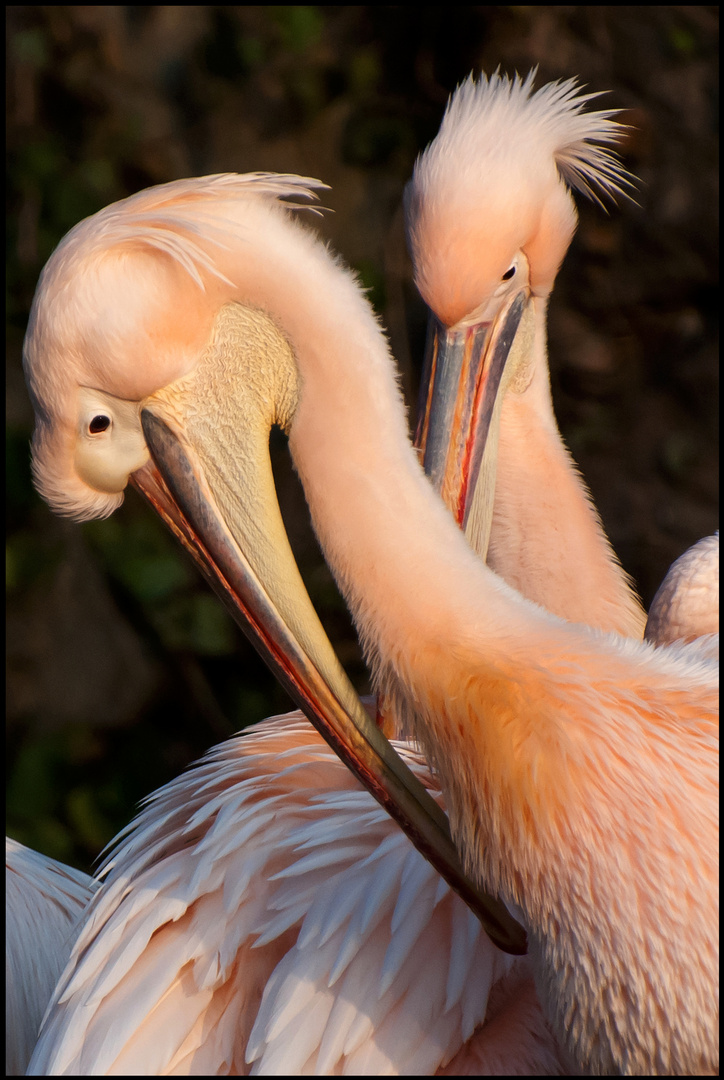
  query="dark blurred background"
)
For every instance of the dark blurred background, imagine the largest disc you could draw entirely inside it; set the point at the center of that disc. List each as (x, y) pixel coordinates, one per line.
(122, 667)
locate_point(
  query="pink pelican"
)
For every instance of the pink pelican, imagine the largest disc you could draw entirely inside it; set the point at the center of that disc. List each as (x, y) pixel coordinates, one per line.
(265, 334)
(489, 220)
(275, 783)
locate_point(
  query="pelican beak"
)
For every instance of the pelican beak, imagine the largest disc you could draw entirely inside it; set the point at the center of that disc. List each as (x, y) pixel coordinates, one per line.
(466, 373)
(219, 500)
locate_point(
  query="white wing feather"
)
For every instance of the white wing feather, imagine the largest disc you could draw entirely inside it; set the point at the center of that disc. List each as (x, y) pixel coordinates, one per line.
(686, 605)
(44, 902)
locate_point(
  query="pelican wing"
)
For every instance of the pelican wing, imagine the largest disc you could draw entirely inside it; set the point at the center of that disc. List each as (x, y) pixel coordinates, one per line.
(267, 867)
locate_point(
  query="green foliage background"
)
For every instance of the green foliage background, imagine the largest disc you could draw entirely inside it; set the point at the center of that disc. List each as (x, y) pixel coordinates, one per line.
(122, 668)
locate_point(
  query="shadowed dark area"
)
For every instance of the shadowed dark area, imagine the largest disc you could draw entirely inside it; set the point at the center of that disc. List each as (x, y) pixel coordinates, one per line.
(122, 666)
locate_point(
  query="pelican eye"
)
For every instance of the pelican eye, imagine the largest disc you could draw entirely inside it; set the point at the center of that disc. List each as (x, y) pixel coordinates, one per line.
(98, 424)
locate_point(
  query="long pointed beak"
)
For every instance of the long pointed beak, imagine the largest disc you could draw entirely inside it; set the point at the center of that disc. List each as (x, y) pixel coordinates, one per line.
(465, 375)
(175, 484)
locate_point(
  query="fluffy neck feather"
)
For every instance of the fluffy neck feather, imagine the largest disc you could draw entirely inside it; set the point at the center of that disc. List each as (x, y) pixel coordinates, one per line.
(547, 540)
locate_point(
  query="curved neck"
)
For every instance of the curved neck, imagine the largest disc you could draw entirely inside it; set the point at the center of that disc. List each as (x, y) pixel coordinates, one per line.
(547, 540)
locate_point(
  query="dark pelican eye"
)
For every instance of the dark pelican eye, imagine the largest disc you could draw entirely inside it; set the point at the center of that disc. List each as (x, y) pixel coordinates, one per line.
(509, 273)
(99, 423)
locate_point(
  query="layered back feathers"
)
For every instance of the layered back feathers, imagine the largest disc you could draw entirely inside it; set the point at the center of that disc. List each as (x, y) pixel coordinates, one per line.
(266, 866)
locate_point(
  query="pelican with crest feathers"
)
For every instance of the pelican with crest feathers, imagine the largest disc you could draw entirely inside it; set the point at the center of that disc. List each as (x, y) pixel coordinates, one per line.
(263, 344)
(487, 427)
(489, 221)
(248, 878)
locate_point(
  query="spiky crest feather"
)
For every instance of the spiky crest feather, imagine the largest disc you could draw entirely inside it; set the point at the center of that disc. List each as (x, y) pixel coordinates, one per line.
(553, 117)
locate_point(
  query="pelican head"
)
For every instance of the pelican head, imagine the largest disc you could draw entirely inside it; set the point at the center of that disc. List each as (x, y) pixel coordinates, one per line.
(168, 334)
(490, 217)
(489, 208)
